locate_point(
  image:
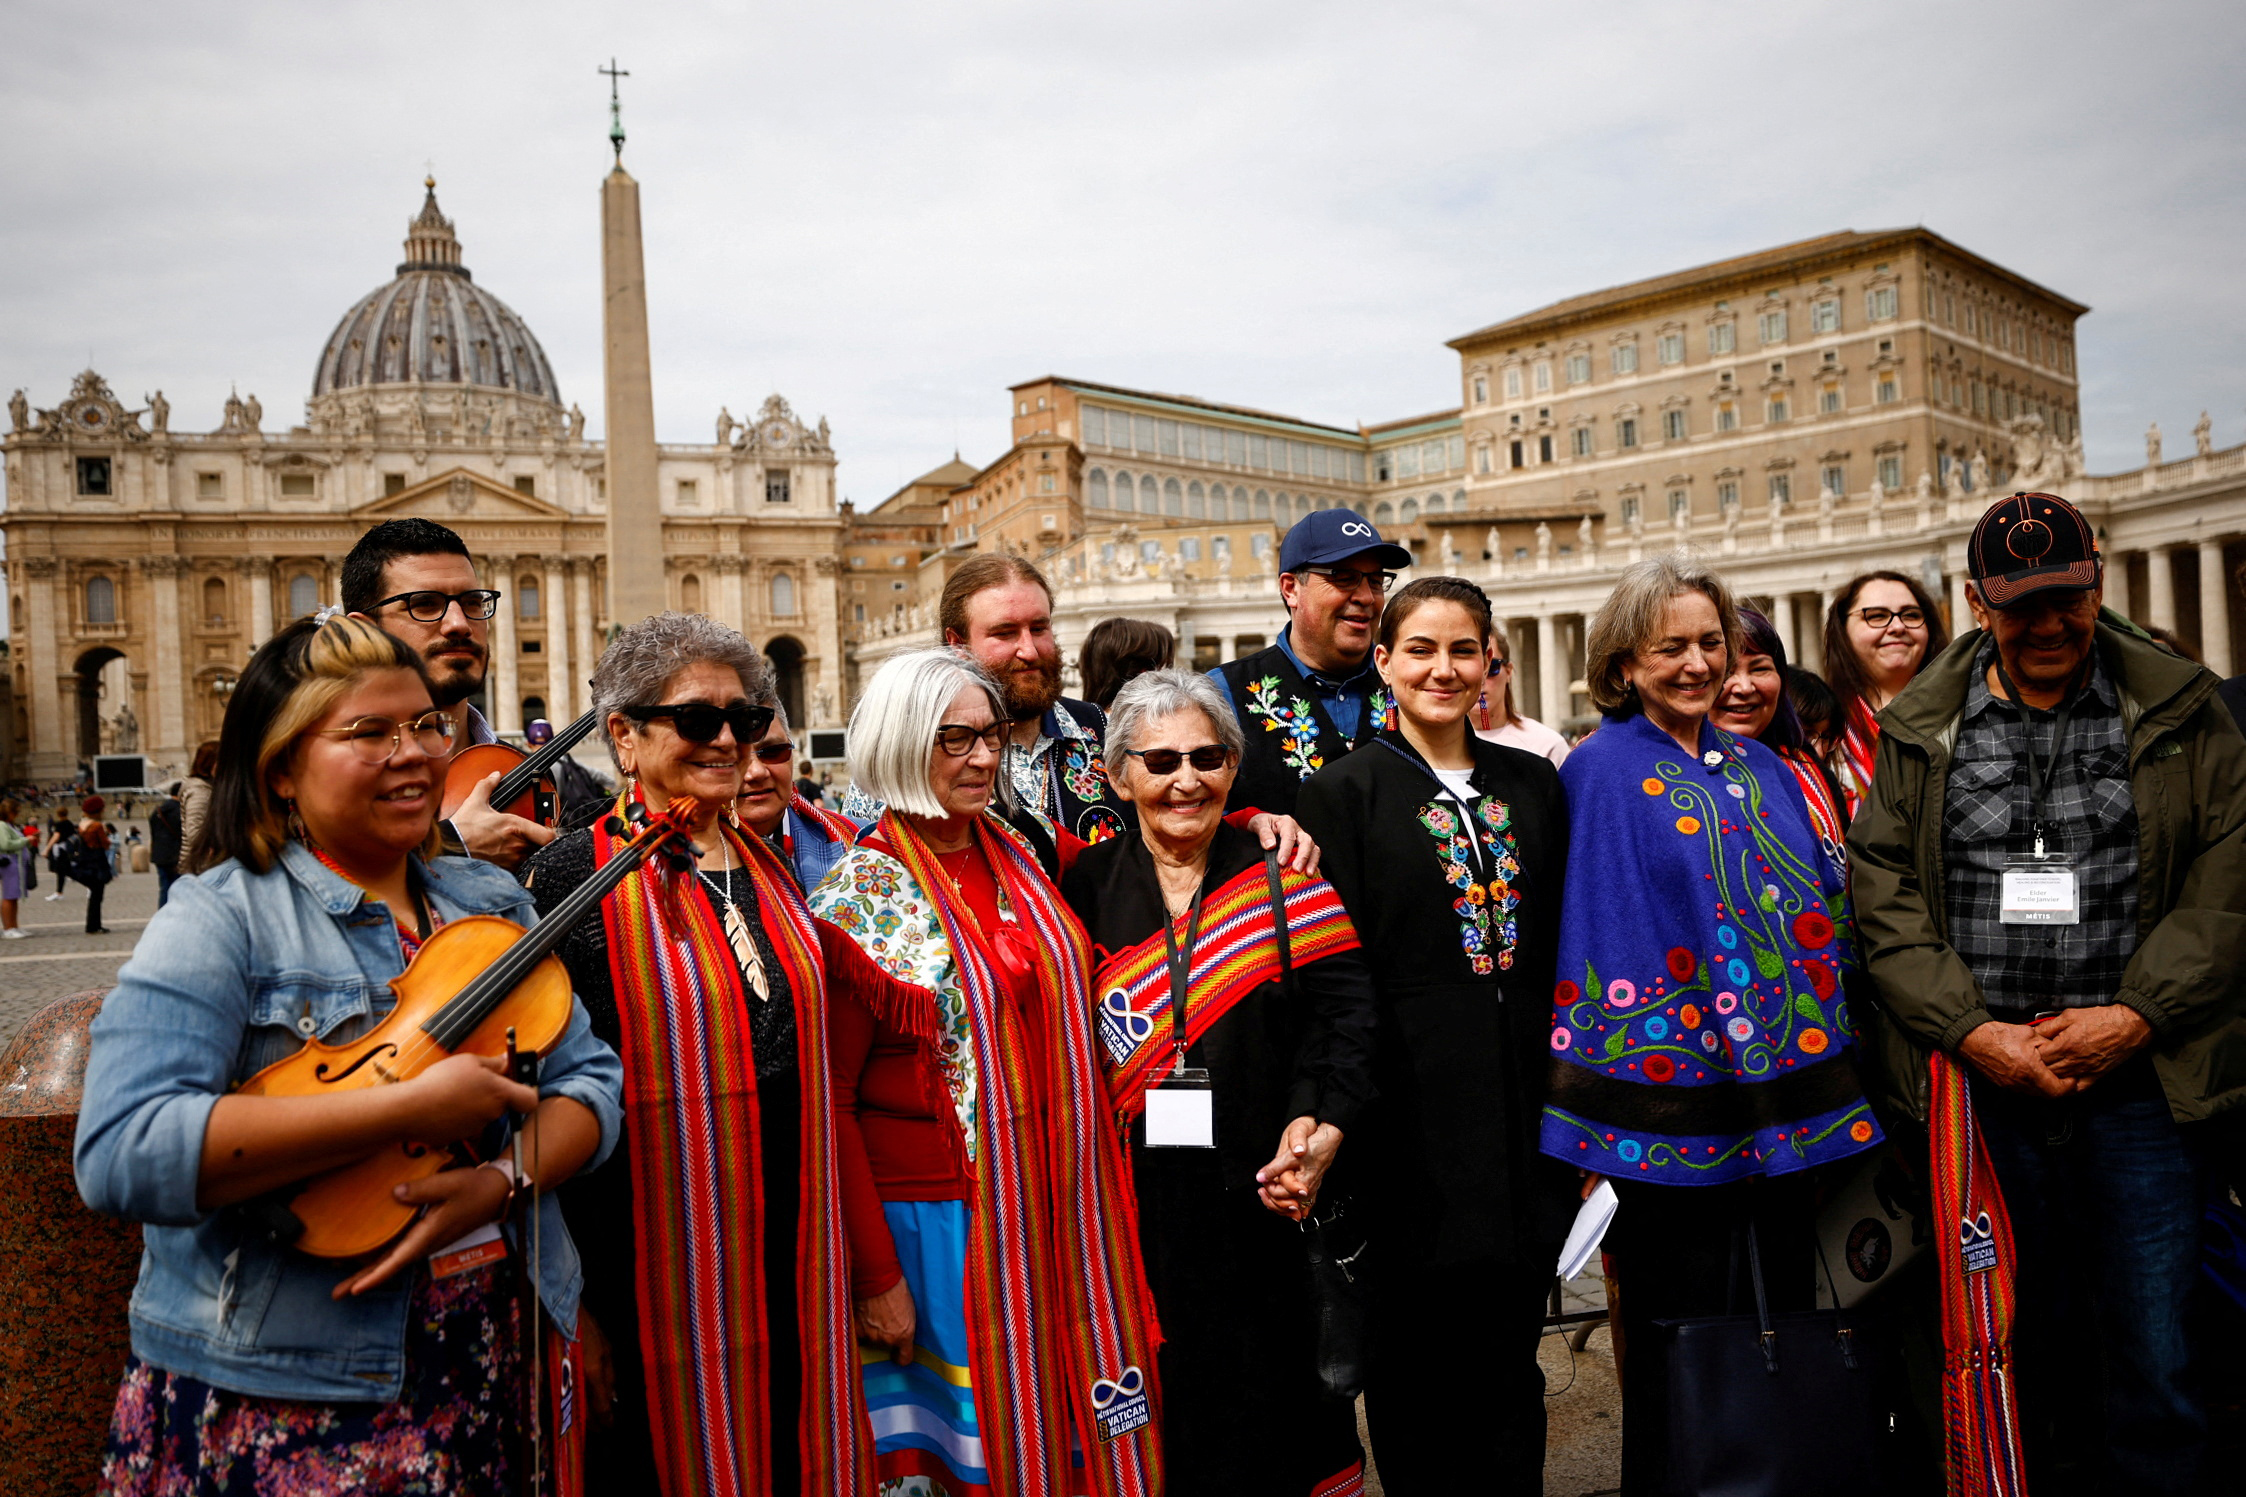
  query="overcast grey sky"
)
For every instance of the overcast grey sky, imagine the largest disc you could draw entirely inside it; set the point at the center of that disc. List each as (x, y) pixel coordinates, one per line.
(889, 213)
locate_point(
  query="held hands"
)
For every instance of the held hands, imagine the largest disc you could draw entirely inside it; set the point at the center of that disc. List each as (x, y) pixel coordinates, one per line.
(1296, 849)
(1289, 1183)
(494, 836)
(888, 1319)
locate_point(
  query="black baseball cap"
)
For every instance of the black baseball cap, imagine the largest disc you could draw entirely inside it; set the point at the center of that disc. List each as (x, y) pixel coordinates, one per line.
(2029, 544)
(1326, 535)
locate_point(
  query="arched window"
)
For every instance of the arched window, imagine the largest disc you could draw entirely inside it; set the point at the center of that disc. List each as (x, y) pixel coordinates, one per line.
(1123, 492)
(1436, 504)
(1150, 497)
(533, 708)
(101, 601)
(690, 593)
(1196, 501)
(526, 598)
(1408, 511)
(304, 595)
(1095, 489)
(783, 596)
(1384, 513)
(1173, 498)
(214, 602)
(1263, 504)
(1220, 506)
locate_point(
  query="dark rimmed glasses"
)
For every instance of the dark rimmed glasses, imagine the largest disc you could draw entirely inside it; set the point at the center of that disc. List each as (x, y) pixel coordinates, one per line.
(700, 722)
(1209, 758)
(1349, 579)
(1880, 618)
(375, 740)
(959, 740)
(428, 606)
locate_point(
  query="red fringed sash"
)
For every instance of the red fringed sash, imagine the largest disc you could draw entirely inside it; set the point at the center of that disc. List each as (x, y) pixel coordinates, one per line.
(1859, 746)
(1238, 951)
(1062, 1317)
(698, 1192)
(1973, 1233)
(838, 826)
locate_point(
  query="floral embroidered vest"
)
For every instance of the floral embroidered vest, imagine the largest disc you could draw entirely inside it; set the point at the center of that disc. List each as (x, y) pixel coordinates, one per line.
(1290, 738)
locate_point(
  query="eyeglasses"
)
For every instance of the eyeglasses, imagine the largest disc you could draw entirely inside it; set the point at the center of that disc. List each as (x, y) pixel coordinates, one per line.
(428, 606)
(1880, 618)
(774, 753)
(1500, 664)
(1349, 579)
(959, 740)
(699, 722)
(375, 739)
(1209, 758)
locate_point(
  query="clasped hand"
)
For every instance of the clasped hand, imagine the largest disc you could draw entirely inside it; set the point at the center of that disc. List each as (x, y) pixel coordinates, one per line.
(2059, 1056)
(1289, 1183)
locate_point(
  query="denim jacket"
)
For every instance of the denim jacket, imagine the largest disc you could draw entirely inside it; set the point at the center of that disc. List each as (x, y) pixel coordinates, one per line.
(237, 971)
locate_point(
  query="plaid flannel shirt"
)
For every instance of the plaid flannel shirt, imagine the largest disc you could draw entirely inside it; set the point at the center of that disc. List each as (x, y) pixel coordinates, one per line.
(1988, 816)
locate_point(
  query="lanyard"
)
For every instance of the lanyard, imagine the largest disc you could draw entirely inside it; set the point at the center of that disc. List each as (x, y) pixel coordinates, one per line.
(2040, 773)
(1181, 968)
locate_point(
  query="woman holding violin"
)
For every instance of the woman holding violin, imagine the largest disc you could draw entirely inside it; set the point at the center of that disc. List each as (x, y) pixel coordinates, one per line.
(719, 1349)
(258, 1366)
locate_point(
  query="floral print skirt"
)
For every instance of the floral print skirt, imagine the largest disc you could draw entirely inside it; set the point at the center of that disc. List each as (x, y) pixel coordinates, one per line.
(452, 1433)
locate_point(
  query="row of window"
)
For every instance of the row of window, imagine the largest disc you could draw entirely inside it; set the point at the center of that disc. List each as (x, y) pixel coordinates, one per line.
(1832, 477)
(1676, 424)
(1159, 436)
(2013, 336)
(1417, 459)
(1773, 327)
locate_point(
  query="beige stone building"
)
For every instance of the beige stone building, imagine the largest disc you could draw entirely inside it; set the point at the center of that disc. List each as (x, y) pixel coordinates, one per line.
(144, 563)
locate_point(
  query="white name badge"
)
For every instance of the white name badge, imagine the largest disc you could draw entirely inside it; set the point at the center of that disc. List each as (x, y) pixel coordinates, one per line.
(1181, 1112)
(2040, 893)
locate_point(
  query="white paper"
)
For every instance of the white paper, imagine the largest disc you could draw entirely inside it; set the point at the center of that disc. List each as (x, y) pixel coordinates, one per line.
(1181, 1118)
(2039, 896)
(1589, 1231)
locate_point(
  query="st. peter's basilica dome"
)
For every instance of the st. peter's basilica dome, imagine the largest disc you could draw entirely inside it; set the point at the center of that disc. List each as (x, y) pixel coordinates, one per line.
(434, 325)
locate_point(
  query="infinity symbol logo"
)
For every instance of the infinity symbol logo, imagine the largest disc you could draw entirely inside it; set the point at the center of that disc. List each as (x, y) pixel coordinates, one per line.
(1138, 1026)
(1353, 527)
(1980, 1229)
(1126, 1386)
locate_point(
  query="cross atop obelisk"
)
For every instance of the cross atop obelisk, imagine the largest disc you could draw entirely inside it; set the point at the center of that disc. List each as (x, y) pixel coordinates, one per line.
(636, 586)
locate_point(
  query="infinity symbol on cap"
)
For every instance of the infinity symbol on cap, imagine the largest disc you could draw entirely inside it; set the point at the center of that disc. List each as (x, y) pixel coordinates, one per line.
(1126, 1386)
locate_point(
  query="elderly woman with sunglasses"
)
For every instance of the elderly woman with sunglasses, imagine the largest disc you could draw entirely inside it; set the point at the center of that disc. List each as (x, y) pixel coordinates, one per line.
(809, 839)
(719, 1356)
(1238, 1050)
(994, 1256)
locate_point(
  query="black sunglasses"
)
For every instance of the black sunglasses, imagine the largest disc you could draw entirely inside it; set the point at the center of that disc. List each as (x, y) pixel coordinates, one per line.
(1209, 758)
(699, 722)
(428, 606)
(774, 753)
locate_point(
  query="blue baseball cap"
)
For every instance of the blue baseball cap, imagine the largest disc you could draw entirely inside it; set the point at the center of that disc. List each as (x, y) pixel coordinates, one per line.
(1326, 535)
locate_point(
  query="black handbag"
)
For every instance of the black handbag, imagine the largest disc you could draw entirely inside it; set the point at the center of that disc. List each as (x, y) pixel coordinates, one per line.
(1763, 1405)
(1333, 1236)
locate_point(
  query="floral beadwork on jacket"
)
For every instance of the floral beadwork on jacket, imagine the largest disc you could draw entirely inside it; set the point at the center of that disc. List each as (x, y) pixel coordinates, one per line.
(1292, 716)
(876, 901)
(1080, 769)
(1489, 927)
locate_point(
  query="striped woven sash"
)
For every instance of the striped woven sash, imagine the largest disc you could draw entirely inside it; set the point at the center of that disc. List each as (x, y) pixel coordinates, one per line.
(1238, 951)
(698, 1191)
(1973, 1234)
(1062, 1325)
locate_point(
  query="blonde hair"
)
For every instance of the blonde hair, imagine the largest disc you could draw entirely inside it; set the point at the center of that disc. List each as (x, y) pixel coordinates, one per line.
(289, 685)
(1633, 616)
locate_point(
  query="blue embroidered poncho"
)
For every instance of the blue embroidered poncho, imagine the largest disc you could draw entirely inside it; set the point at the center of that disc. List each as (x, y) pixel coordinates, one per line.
(1698, 1021)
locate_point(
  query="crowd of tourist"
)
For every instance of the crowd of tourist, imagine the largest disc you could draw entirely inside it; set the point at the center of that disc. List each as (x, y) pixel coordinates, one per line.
(1106, 1093)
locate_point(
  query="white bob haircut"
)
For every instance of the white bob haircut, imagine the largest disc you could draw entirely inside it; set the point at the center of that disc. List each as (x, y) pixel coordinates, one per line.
(892, 734)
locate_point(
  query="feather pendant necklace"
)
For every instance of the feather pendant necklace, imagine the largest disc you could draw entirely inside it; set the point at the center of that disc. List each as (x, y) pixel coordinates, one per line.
(738, 935)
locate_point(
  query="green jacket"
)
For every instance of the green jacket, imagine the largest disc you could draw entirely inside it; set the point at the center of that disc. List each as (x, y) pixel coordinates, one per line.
(2187, 775)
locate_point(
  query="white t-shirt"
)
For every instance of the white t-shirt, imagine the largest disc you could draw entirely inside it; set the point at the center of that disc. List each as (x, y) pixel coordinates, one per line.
(1527, 733)
(1455, 781)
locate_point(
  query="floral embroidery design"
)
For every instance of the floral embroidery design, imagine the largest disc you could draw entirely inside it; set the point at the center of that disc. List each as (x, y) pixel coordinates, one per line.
(1380, 711)
(1080, 773)
(1291, 716)
(1489, 926)
(872, 897)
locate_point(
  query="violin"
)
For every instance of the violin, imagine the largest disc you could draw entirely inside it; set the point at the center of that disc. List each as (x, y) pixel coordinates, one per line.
(480, 985)
(526, 789)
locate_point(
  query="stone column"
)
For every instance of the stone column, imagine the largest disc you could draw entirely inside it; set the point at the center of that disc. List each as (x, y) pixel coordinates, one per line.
(2160, 579)
(1782, 618)
(504, 692)
(1961, 611)
(555, 605)
(48, 755)
(169, 730)
(1551, 672)
(260, 571)
(2214, 609)
(585, 648)
(823, 611)
(729, 610)
(1816, 630)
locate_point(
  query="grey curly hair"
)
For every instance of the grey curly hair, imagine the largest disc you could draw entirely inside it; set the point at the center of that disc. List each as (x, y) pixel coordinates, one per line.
(1152, 695)
(640, 662)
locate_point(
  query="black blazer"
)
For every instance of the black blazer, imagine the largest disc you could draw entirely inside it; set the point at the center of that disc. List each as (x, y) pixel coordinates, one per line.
(1460, 1062)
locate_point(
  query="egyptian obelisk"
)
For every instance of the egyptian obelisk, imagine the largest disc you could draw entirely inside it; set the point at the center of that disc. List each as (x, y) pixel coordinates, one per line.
(635, 517)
